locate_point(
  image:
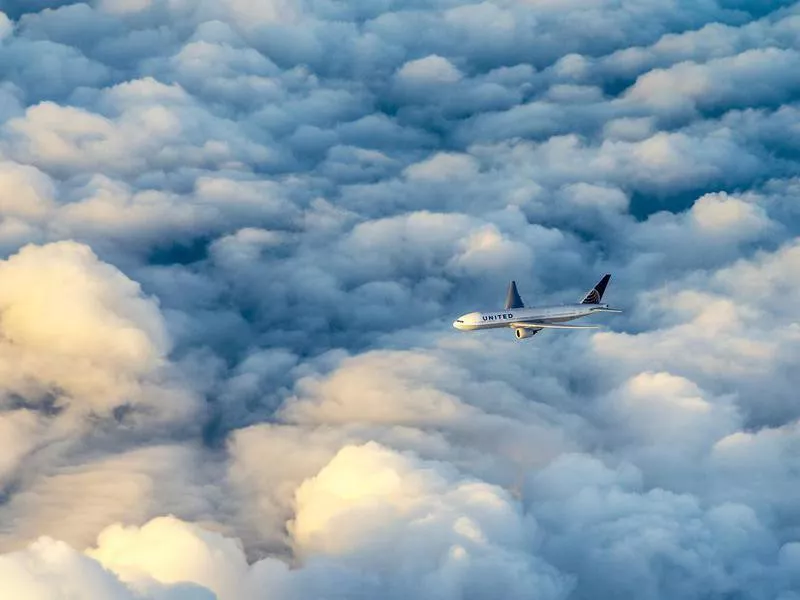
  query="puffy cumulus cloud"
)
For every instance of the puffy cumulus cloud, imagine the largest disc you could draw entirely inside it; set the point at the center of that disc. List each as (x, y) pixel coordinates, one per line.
(491, 420)
(432, 69)
(267, 488)
(716, 229)
(105, 210)
(475, 537)
(444, 93)
(364, 509)
(6, 26)
(731, 331)
(668, 405)
(79, 336)
(508, 32)
(151, 129)
(643, 539)
(82, 347)
(20, 429)
(125, 6)
(427, 402)
(769, 454)
(112, 215)
(169, 551)
(443, 166)
(26, 192)
(378, 261)
(668, 426)
(73, 491)
(60, 68)
(713, 41)
(665, 163)
(662, 424)
(480, 546)
(723, 215)
(84, 352)
(721, 82)
(52, 570)
(60, 302)
(234, 236)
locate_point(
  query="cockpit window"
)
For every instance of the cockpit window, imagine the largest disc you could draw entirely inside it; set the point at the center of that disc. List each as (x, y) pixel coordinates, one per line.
(459, 321)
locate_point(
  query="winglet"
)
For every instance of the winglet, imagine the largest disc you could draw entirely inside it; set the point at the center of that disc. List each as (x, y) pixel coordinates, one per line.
(513, 299)
(595, 295)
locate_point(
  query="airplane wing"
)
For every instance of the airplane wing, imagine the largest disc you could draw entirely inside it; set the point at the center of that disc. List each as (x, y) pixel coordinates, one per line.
(552, 326)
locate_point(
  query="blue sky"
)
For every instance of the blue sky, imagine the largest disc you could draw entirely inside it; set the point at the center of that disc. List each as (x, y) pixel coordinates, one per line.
(234, 234)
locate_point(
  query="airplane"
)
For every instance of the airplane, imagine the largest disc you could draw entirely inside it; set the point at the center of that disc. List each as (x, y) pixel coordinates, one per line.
(527, 322)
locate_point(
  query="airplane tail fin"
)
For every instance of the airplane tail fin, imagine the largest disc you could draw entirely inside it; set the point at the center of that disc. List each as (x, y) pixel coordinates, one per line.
(595, 295)
(513, 299)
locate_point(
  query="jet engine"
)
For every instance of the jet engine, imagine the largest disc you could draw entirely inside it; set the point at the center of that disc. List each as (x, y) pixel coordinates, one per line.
(523, 333)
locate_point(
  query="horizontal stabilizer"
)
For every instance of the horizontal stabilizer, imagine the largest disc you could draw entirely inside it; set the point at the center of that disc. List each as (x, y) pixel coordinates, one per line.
(552, 326)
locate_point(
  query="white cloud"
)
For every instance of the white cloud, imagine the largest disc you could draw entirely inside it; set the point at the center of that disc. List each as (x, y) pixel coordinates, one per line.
(431, 69)
(51, 570)
(73, 497)
(719, 214)
(235, 235)
(79, 330)
(21, 430)
(171, 552)
(25, 191)
(124, 6)
(443, 167)
(606, 517)
(6, 26)
(750, 78)
(369, 497)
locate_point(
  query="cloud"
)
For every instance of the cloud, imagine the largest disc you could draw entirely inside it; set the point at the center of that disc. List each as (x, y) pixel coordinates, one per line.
(736, 329)
(52, 570)
(20, 429)
(728, 216)
(432, 69)
(6, 26)
(147, 134)
(169, 551)
(125, 7)
(368, 497)
(74, 490)
(79, 329)
(26, 191)
(713, 41)
(687, 86)
(443, 166)
(635, 535)
(61, 308)
(479, 543)
(234, 236)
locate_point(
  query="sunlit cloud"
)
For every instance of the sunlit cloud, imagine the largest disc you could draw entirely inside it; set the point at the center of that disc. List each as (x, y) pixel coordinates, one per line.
(234, 234)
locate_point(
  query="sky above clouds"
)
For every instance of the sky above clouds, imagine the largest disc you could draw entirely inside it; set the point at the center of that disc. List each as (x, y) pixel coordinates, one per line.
(234, 235)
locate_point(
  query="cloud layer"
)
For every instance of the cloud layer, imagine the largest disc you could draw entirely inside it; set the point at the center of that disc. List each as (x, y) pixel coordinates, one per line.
(234, 235)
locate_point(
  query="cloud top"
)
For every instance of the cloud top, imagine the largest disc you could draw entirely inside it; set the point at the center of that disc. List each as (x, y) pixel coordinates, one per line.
(234, 234)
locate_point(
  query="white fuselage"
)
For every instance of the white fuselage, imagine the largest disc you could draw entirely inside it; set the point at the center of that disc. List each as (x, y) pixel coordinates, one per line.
(541, 314)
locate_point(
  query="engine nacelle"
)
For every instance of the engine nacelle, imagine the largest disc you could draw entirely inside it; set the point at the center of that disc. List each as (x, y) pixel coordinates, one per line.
(523, 333)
